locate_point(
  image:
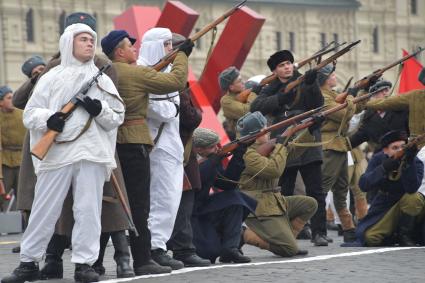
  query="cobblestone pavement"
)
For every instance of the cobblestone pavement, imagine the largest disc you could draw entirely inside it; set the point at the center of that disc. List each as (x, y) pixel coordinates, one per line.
(323, 264)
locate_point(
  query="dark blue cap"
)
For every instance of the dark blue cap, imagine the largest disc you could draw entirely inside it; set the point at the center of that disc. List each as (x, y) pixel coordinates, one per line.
(81, 18)
(31, 63)
(110, 41)
(4, 90)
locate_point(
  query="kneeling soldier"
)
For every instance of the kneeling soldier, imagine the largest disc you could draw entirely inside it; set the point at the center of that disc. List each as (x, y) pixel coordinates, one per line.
(277, 219)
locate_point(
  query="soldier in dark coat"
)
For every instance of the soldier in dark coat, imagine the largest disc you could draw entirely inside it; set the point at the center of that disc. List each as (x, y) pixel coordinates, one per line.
(279, 106)
(398, 206)
(218, 216)
(376, 123)
(114, 221)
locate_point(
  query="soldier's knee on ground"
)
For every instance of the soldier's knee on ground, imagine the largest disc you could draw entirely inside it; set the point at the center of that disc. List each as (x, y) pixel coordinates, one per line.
(284, 250)
(373, 239)
(310, 208)
(412, 204)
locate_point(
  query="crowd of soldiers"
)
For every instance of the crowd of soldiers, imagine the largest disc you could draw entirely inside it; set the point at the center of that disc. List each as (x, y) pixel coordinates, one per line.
(131, 163)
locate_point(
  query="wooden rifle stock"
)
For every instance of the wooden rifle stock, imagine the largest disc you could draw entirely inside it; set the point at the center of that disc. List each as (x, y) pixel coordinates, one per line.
(169, 58)
(243, 95)
(366, 81)
(121, 199)
(322, 64)
(229, 147)
(43, 145)
(305, 61)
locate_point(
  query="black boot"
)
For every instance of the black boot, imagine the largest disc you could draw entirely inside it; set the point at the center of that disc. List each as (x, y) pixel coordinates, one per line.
(349, 235)
(85, 273)
(305, 233)
(233, 255)
(122, 255)
(53, 266)
(162, 258)
(151, 267)
(26, 271)
(192, 260)
(98, 265)
(406, 225)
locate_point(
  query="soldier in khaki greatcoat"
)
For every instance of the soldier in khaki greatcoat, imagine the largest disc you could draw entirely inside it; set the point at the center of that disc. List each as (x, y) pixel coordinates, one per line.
(12, 138)
(134, 141)
(278, 219)
(335, 148)
(232, 104)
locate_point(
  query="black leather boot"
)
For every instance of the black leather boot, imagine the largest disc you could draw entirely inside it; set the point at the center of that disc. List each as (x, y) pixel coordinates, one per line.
(233, 255)
(122, 254)
(53, 266)
(26, 271)
(406, 225)
(85, 273)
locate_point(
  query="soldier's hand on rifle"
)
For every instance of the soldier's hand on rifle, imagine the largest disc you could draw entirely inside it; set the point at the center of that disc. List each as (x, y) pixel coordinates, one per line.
(317, 123)
(410, 153)
(257, 89)
(310, 76)
(92, 106)
(56, 122)
(353, 91)
(187, 47)
(390, 164)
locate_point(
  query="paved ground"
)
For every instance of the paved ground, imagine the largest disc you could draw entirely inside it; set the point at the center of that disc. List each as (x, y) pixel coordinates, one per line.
(323, 264)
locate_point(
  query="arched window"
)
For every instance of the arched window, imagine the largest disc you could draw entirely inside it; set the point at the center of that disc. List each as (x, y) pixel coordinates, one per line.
(29, 20)
(62, 18)
(278, 40)
(375, 40)
(95, 17)
(413, 7)
(292, 41)
(322, 39)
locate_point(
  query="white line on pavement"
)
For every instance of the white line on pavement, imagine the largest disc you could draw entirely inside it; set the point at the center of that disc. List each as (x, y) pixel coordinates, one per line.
(305, 259)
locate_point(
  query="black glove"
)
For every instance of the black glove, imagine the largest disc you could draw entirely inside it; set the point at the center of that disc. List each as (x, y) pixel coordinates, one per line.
(284, 98)
(310, 76)
(187, 47)
(353, 91)
(317, 123)
(257, 89)
(56, 122)
(92, 106)
(390, 164)
(410, 153)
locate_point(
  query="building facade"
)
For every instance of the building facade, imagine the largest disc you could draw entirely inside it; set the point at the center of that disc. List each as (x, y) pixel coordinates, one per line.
(29, 27)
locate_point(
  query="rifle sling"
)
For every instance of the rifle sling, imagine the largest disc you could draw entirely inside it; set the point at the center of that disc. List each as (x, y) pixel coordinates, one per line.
(86, 127)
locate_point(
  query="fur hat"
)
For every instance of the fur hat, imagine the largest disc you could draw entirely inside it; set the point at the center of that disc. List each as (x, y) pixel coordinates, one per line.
(324, 73)
(81, 18)
(393, 136)
(31, 63)
(380, 85)
(205, 138)
(251, 123)
(279, 57)
(4, 90)
(227, 77)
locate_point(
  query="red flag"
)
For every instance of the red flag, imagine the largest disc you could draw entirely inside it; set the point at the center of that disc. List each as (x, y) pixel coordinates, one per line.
(409, 76)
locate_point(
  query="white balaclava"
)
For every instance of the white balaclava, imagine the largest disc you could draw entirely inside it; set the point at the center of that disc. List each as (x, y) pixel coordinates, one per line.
(152, 46)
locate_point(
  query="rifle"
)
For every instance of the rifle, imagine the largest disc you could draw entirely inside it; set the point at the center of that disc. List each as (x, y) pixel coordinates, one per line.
(42, 147)
(305, 61)
(169, 58)
(399, 155)
(243, 96)
(307, 122)
(366, 81)
(117, 189)
(229, 147)
(322, 64)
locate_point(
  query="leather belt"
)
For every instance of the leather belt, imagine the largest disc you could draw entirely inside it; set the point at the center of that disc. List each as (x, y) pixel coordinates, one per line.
(274, 190)
(12, 147)
(133, 122)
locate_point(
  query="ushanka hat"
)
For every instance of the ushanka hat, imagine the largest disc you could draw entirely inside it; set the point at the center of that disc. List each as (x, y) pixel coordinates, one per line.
(279, 57)
(205, 138)
(4, 90)
(81, 18)
(31, 63)
(380, 85)
(393, 136)
(227, 77)
(324, 73)
(421, 76)
(251, 123)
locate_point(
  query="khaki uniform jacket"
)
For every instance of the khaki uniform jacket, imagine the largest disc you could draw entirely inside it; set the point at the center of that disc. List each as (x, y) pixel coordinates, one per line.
(333, 121)
(233, 109)
(134, 85)
(12, 137)
(261, 176)
(413, 101)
